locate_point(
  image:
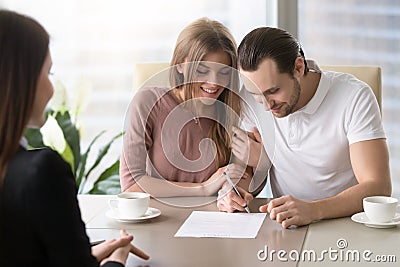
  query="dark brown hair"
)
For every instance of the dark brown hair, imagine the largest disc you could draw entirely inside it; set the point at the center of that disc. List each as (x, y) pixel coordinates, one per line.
(272, 43)
(24, 46)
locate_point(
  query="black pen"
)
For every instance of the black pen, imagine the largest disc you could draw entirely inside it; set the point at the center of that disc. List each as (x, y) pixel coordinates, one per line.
(235, 189)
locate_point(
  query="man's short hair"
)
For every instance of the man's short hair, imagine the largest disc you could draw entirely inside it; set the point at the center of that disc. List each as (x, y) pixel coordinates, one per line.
(272, 43)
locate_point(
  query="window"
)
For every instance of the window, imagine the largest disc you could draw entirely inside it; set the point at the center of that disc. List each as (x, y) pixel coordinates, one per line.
(359, 32)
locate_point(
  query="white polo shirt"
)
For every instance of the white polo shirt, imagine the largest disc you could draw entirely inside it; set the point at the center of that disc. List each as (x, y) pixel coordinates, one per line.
(310, 156)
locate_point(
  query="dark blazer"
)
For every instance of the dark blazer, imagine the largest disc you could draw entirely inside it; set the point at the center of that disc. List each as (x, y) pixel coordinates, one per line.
(41, 222)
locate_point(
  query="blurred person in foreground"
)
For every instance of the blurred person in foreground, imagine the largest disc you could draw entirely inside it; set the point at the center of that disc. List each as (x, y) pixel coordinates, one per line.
(40, 220)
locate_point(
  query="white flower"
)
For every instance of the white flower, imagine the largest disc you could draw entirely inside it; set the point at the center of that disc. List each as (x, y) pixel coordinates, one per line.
(81, 97)
(59, 101)
(53, 135)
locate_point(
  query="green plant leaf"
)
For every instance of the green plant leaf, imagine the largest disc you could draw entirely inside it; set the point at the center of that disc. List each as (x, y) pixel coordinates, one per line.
(84, 156)
(62, 134)
(71, 135)
(102, 152)
(108, 182)
(68, 156)
(34, 138)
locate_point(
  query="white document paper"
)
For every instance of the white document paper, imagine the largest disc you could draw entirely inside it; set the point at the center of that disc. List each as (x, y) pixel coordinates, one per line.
(221, 224)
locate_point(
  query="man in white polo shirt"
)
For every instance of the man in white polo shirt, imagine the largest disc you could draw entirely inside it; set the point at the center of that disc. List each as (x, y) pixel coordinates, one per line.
(329, 149)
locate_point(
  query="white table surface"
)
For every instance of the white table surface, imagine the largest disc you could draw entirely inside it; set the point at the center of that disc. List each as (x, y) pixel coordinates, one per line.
(155, 236)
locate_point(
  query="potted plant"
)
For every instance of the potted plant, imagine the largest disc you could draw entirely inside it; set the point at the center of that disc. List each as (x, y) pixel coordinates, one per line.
(61, 133)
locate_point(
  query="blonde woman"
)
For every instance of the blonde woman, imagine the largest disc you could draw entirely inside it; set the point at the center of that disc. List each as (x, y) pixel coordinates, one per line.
(177, 140)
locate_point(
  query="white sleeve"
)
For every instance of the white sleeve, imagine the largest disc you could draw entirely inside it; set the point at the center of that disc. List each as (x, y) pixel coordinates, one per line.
(363, 117)
(248, 116)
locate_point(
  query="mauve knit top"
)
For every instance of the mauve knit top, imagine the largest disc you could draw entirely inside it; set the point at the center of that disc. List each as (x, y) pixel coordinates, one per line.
(165, 140)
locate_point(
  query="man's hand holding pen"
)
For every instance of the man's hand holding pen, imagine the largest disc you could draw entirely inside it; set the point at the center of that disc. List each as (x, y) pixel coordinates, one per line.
(232, 197)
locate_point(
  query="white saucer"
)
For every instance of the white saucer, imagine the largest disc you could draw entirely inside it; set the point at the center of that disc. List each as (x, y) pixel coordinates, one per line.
(150, 213)
(362, 218)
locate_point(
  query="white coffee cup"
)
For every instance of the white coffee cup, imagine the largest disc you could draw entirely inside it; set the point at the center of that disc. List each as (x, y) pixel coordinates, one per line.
(130, 205)
(380, 209)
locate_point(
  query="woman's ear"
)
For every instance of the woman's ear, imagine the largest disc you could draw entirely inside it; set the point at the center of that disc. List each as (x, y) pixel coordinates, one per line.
(179, 68)
(299, 67)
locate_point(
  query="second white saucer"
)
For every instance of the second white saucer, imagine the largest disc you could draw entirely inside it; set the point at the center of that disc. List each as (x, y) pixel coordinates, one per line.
(362, 218)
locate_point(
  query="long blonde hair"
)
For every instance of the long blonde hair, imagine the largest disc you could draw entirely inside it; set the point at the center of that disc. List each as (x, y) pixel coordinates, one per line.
(194, 42)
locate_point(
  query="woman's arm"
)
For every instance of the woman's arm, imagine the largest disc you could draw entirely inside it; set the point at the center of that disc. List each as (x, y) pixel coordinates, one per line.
(157, 187)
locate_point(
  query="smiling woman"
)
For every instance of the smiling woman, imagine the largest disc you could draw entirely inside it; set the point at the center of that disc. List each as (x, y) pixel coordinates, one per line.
(186, 156)
(211, 76)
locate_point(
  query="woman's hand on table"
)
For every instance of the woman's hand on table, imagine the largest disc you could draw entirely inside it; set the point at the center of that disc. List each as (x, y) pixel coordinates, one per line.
(117, 249)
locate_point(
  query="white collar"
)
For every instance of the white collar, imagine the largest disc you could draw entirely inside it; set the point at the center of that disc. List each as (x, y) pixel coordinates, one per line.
(23, 142)
(320, 93)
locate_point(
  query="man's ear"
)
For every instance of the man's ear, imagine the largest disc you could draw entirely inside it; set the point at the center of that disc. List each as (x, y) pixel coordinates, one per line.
(299, 66)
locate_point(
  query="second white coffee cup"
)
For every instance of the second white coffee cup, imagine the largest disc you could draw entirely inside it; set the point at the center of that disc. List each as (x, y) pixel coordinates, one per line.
(130, 205)
(380, 209)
